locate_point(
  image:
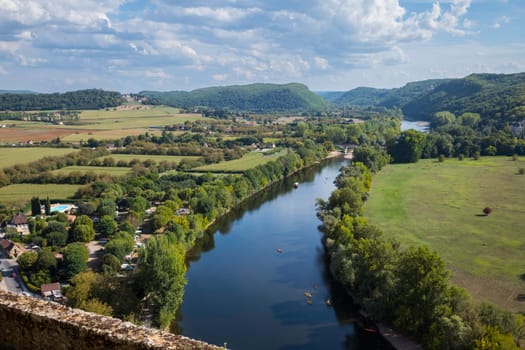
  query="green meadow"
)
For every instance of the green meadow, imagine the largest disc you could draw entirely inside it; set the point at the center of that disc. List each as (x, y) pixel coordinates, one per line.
(440, 205)
(113, 171)
(22, 193)
(152, 116)
(23, 155)
(142, 157)
(248, 161)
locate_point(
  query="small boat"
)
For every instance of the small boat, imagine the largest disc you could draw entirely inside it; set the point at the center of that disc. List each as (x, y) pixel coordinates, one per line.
(328, 302)
(370, 330)
(308, 295)
(279, 250)
(295, 184)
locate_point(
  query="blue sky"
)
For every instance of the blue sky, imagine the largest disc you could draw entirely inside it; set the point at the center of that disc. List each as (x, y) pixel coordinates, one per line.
(133, 45)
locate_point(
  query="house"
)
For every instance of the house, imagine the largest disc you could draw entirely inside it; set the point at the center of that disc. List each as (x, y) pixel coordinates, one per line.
(52, 291)
(19, 222)
(11, 248)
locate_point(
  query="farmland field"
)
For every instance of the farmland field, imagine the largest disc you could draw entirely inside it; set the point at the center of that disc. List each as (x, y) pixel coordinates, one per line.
(248, 161)
(22, 155)
(113, 171)
(440, 205)
(22, 193)
(99, 124)
(142, 157)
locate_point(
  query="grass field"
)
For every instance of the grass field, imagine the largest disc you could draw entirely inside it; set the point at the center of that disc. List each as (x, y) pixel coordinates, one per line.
(22, 193)
(22, 155)
(248, 161)
(113, 171)
(134, 119)
(99, 124)
(142, 157)
(440, 205)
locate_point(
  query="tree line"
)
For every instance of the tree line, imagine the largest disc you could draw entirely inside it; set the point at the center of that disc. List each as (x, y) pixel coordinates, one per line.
(81, 99)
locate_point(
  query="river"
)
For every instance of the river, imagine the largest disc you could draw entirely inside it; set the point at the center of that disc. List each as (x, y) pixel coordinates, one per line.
(248, 277)
(422, 126)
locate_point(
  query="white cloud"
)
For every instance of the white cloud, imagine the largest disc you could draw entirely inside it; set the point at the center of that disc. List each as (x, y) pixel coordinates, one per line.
(220, 77)
(321, 63)
(3, 71)
(500, 21)
(155, 73)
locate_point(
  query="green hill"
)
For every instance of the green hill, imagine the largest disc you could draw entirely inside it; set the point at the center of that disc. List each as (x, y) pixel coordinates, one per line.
(500, 96)
(388, 98)
(330, 96)
(262, 98)
(495, 96)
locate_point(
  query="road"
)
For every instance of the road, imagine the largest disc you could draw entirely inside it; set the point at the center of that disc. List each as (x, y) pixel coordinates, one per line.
(10, 283)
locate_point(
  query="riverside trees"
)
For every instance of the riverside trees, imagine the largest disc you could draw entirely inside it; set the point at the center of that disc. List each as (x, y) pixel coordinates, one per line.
(408, 287)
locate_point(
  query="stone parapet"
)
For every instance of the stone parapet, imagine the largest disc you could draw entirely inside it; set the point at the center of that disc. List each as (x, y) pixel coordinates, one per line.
(30, 323)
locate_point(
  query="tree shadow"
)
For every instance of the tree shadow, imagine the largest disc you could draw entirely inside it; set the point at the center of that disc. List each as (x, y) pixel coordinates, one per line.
(483, 215)
(522, 277)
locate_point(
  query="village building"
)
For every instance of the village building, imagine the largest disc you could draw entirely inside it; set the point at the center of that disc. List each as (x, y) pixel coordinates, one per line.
(52, 291)
(11, 248)
(19, 222)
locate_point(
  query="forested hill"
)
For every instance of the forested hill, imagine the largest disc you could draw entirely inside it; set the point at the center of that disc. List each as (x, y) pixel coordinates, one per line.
(388, 98)
(499, 96)
(262, 98)
(81, 99)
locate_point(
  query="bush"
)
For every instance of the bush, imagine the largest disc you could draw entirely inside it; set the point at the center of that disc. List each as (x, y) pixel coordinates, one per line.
(441, 158)
(475, 156)
(461, 156)
(521, 171)
(487, 210)
(29, 285)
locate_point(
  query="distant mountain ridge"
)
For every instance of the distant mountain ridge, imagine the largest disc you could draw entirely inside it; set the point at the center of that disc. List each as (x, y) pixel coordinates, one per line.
(257, 97)
(490, 95)
(500, 96)
(389, 98)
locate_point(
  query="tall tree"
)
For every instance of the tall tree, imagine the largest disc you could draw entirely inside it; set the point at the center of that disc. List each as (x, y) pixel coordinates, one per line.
(47, 206)
(162, 271)
(35, 206)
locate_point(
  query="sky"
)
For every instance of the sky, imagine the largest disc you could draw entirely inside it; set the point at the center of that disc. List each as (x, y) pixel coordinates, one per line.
(329, 45)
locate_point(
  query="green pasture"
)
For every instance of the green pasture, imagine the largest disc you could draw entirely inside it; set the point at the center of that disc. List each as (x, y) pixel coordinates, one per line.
(440, 205)
(153, 116)
(22, 193)
(22, 155)
(112, 171)
(143, 157)
(248, 161)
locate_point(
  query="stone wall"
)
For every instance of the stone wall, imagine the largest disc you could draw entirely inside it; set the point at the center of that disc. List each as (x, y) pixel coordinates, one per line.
(29, 323)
